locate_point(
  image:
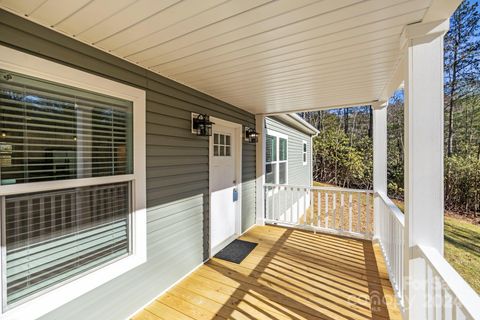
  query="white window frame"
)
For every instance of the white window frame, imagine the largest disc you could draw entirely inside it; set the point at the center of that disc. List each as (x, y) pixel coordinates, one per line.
(17, 61)
(304, 152)
(277, 136)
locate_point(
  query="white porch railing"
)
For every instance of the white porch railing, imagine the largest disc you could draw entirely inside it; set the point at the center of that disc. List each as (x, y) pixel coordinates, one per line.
(391, 240)
(444, 292)
(326, 209)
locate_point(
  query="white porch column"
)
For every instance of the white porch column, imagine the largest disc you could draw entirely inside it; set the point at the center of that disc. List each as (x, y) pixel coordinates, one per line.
(260, 169)
(379, 160)
(424, 206)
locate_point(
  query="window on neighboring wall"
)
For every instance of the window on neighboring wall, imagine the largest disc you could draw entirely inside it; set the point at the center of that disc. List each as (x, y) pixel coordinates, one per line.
(66, 182)
(304, 153)
(276, 158)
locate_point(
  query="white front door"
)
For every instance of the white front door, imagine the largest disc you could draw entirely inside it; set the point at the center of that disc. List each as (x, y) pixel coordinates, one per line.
(223, 187)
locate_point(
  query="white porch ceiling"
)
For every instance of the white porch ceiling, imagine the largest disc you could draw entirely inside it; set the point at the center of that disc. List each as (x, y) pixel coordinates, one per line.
(260, 55)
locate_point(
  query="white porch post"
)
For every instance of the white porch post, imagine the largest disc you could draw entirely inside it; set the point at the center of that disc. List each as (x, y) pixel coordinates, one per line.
(424, 205)
(260, 169)
(379, 160)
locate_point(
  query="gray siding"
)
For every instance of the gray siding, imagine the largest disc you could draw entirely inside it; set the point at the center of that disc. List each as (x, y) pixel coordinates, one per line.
(177, 171)
(298, 173)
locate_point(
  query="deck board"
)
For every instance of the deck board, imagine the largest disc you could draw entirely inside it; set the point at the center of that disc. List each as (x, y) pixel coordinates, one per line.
(291, 274)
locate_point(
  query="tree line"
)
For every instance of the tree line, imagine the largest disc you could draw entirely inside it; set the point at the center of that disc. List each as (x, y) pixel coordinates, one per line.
(343, 150)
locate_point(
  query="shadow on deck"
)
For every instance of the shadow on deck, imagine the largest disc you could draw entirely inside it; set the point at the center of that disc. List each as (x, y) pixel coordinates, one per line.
(291, 274)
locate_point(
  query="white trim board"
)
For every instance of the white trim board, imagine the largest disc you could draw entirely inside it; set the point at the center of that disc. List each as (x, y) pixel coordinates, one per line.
(17, 61)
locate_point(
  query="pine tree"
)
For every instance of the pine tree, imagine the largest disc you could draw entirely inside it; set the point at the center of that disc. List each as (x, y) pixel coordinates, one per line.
(462, 61)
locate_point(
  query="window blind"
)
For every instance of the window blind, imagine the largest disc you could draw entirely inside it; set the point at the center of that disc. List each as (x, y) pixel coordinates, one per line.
(52, 237)
(52, 132)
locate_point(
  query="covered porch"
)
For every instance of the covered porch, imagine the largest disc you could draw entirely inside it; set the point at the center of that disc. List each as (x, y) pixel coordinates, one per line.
(323, 253)
(291, 274)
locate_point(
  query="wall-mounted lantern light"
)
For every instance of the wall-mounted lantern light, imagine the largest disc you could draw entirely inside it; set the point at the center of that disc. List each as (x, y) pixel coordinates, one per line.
(201, 124)
(251, 135)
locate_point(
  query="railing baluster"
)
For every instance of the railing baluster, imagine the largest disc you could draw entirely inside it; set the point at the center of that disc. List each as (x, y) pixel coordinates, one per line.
(268, 202)
(359, 200)
(297, 202)
(291, 204)
(342, 208)
(367, 205)
(334, 213)
(312, 209)
(442, 302)
(350, 211)
(319, 211)
(326, 210)
(305, 213)
(278, 203)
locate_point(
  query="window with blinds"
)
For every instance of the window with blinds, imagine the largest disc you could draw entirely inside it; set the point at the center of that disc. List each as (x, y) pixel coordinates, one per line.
(53, 132)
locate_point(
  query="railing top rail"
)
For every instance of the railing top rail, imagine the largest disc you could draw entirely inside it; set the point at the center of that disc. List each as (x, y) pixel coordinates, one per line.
(396, 212)
(338, 189)
(467, 297)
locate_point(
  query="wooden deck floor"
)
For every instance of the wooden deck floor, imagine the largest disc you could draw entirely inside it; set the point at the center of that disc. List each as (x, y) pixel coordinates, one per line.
(291, 274)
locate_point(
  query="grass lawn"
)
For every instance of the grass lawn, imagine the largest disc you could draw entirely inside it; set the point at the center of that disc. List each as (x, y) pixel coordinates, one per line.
(462, 249)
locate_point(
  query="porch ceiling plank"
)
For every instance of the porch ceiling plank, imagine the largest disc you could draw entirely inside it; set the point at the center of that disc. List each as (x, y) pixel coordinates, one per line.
(220, 19)
(313, 66)
(320, 86)
(323, 91)
(326, 73)
(250, 35)
(263, 56)
(293, 53)
(284, 35)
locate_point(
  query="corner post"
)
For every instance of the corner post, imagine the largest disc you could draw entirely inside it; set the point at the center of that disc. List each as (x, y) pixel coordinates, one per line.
(379, 161)
(424, 203)
(260, 169)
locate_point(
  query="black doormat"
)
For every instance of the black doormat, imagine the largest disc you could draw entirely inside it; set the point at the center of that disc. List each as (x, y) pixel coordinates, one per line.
(236, 251)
